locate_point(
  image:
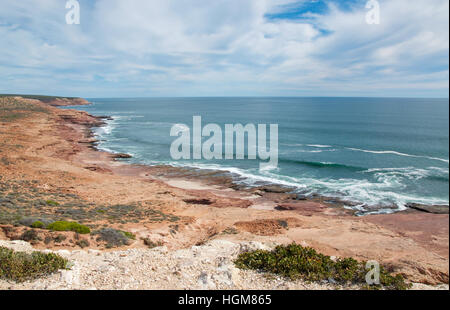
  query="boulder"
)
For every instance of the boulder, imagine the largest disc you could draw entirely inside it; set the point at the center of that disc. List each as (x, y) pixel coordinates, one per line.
(301, 206)
(429, 209)
(121, 156)
(275, 189)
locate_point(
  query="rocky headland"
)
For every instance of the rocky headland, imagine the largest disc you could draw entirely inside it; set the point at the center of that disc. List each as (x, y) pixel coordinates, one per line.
(165, 227)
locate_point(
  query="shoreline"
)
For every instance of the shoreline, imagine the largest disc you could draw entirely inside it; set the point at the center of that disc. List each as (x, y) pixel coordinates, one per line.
(225, 178)
(415, 243)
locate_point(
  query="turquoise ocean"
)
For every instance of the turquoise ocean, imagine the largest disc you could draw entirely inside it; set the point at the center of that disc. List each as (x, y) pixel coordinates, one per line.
(375, 152)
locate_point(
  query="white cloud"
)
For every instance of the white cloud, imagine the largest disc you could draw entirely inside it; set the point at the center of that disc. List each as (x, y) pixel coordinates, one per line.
(222, 47)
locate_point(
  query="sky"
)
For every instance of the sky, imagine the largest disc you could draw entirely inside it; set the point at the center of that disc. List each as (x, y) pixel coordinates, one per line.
(160, 48)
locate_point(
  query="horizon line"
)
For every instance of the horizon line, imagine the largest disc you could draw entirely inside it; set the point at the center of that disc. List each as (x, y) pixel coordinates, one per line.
(244, 96)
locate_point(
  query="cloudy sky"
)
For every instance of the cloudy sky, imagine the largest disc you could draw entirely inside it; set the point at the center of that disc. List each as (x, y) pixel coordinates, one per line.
(139, 48)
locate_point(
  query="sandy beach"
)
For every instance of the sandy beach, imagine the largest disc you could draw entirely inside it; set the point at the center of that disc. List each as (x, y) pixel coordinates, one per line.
(48, 154)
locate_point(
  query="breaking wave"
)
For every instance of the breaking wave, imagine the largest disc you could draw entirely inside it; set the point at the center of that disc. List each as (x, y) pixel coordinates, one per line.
(398, 154)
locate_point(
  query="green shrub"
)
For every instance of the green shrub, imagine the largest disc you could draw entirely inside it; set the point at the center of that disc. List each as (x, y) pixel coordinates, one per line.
(37, 224)
(30, 235)
(128, 235)
(151, 244)
(59, 238)
(52, 203)
(20, 266)
(230, 231)
(83, 243)
(69, 226)
(113, 237)
(297, 262)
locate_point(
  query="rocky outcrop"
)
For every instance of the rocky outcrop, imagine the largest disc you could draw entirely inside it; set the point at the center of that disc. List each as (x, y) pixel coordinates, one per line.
(268, 227)
(274, 189)
(121, 156)
(305, 207)
(429, 209)
(62, 102)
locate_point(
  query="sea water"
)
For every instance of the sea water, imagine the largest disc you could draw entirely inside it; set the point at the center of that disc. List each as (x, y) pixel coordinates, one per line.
(372, 151)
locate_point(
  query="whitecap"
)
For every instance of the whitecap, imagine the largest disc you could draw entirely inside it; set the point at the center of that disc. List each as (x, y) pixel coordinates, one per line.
(407, 172)
(303, 151)
(316, 151)
(369, 194)
(319, 145)
(291, 144)
(398, 153)
(107, 129)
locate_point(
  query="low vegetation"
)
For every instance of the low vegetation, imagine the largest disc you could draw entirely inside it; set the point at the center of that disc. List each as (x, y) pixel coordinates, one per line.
(114, 237)
(59, 238)
(128, 235)
(298, 262)
(230, 231)
(69, 226)
(152, 244)
(52, 203)
(24, 202)
(83, 243)
(20, 266)
(38, 224)
(12, 109)
(30, 236)
(37, 97)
